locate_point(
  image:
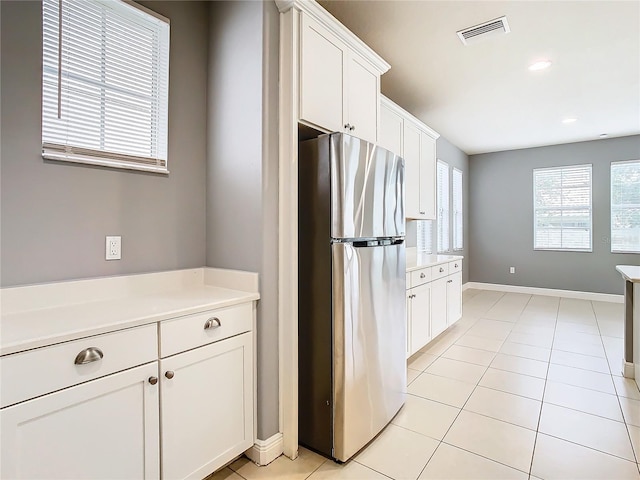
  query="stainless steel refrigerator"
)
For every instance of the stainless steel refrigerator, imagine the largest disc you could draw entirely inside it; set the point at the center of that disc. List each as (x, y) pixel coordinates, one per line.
(351, 287)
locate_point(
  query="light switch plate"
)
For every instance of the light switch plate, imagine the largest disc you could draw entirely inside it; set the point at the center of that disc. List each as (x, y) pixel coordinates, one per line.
(113, 248)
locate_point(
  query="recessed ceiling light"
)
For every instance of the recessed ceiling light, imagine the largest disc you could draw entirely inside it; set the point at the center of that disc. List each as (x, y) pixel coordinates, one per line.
(569, 120)
(540, 65)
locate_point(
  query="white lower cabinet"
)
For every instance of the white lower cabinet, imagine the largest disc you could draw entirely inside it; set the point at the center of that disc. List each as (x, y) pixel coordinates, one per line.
(433, 304)
(206, 407)
(103, 429)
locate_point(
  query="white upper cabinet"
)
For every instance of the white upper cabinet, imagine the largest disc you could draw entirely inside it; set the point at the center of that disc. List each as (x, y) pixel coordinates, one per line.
(405, 135)
(339, 77)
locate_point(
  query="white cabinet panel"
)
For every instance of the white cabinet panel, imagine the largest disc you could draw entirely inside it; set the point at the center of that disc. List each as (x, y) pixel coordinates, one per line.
(411, 154)
(362, 98)
(207, 407)
(438, 306)
(454, 298)
(103, 429)
(420, 317)
(390, 130)
(427, 176)
(408, 322)
(321, 76)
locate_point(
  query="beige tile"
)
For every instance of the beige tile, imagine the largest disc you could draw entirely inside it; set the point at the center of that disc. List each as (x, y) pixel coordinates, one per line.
(601, 382)
(585, 400)
(631, 410)
(463, 371)
(481, 343)
(634, 433)
(579, 361)
(412, 375)
(493, 329)
(576, 311)
(427, 417)
(346, 471)
(515, 383)
(526, 351)
(626, 387)
(469, 355)
(533, 328)
(398, 453)
(608, 311)
(449, 463)
(556, 459)
(535, 340)
(582, 338)
(612, 328)
(437, 347)
(496, 440)
(588, 430)
(537, 320)
(282, 467)
(525, 366)
(577, 327)
(504, 406)
(581, 348)
(224, 474)
(420, 361)
(441, 389)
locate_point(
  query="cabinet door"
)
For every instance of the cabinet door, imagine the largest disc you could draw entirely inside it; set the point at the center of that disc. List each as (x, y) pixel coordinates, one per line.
(321, 77)
(438, 306)
(390, 130)
(420, 317)
(363, 97)
(411, 153)
(103, 429)
(408, 320)
(206, 407)
(454, 298)
(427, 177)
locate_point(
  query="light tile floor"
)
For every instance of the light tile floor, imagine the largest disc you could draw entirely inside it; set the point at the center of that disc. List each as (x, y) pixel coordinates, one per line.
(522, 387)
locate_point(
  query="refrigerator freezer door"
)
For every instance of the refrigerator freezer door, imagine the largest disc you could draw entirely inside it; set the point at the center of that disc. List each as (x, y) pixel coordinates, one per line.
(369, 366)
(367, 189)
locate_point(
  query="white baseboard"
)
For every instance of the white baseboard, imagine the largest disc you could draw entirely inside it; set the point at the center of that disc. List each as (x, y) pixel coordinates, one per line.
(552, 292)
(628, 369)
(266, 451)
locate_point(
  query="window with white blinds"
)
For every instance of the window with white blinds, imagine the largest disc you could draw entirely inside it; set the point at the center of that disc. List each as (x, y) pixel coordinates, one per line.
(442, 200)
(457, 209)
(625, 206)
(562, 208)
(424, 243)
(105, 84)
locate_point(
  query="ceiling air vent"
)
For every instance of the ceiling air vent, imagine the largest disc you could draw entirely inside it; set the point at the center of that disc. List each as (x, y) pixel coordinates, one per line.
(477, 33)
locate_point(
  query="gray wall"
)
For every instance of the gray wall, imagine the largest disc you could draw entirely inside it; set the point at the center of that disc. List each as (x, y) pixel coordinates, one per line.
(447, 152)
(55, 216)
(242, 174)
(501, 218)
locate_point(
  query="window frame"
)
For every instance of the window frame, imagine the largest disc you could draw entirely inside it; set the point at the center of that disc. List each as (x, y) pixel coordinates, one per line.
(457, 207)
(115, 101)
(611, 206)
(444, 225)
(561, 168)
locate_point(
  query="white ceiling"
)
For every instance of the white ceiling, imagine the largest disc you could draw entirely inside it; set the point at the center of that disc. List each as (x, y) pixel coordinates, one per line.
(482, 97)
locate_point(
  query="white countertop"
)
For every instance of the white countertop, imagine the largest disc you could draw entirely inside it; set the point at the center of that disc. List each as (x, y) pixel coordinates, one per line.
(417, 260)
(24, 328)
(630, 273)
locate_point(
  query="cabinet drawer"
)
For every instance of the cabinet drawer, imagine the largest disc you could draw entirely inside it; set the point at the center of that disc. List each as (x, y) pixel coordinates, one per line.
(455, 266)
(419, 277)
(439, 271)
(36, 372)
(185, 333)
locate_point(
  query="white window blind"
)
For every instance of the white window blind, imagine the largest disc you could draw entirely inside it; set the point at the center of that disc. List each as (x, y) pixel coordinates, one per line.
(442, 197)
(457, 209)
(625, 206)
(424, 236)
(105, 83)
(562, 208)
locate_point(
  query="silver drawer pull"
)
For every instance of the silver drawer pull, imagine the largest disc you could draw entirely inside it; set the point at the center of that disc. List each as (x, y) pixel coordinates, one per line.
(88, 355)
(210, 323)
(422, 275)
(441, 269)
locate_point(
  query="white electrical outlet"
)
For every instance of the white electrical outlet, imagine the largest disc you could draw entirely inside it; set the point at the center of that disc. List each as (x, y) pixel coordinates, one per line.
(512, 269)
(113, 248)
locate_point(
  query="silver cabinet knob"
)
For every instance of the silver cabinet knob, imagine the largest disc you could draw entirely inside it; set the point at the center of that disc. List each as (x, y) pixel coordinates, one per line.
(88, 355)
(441, 269)
(422, 213)
(455, 265)
(449, 281)
(422, 275)
(153, 380)
(169, 374)
(210, 323)
(352, 128)
(347, 126)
